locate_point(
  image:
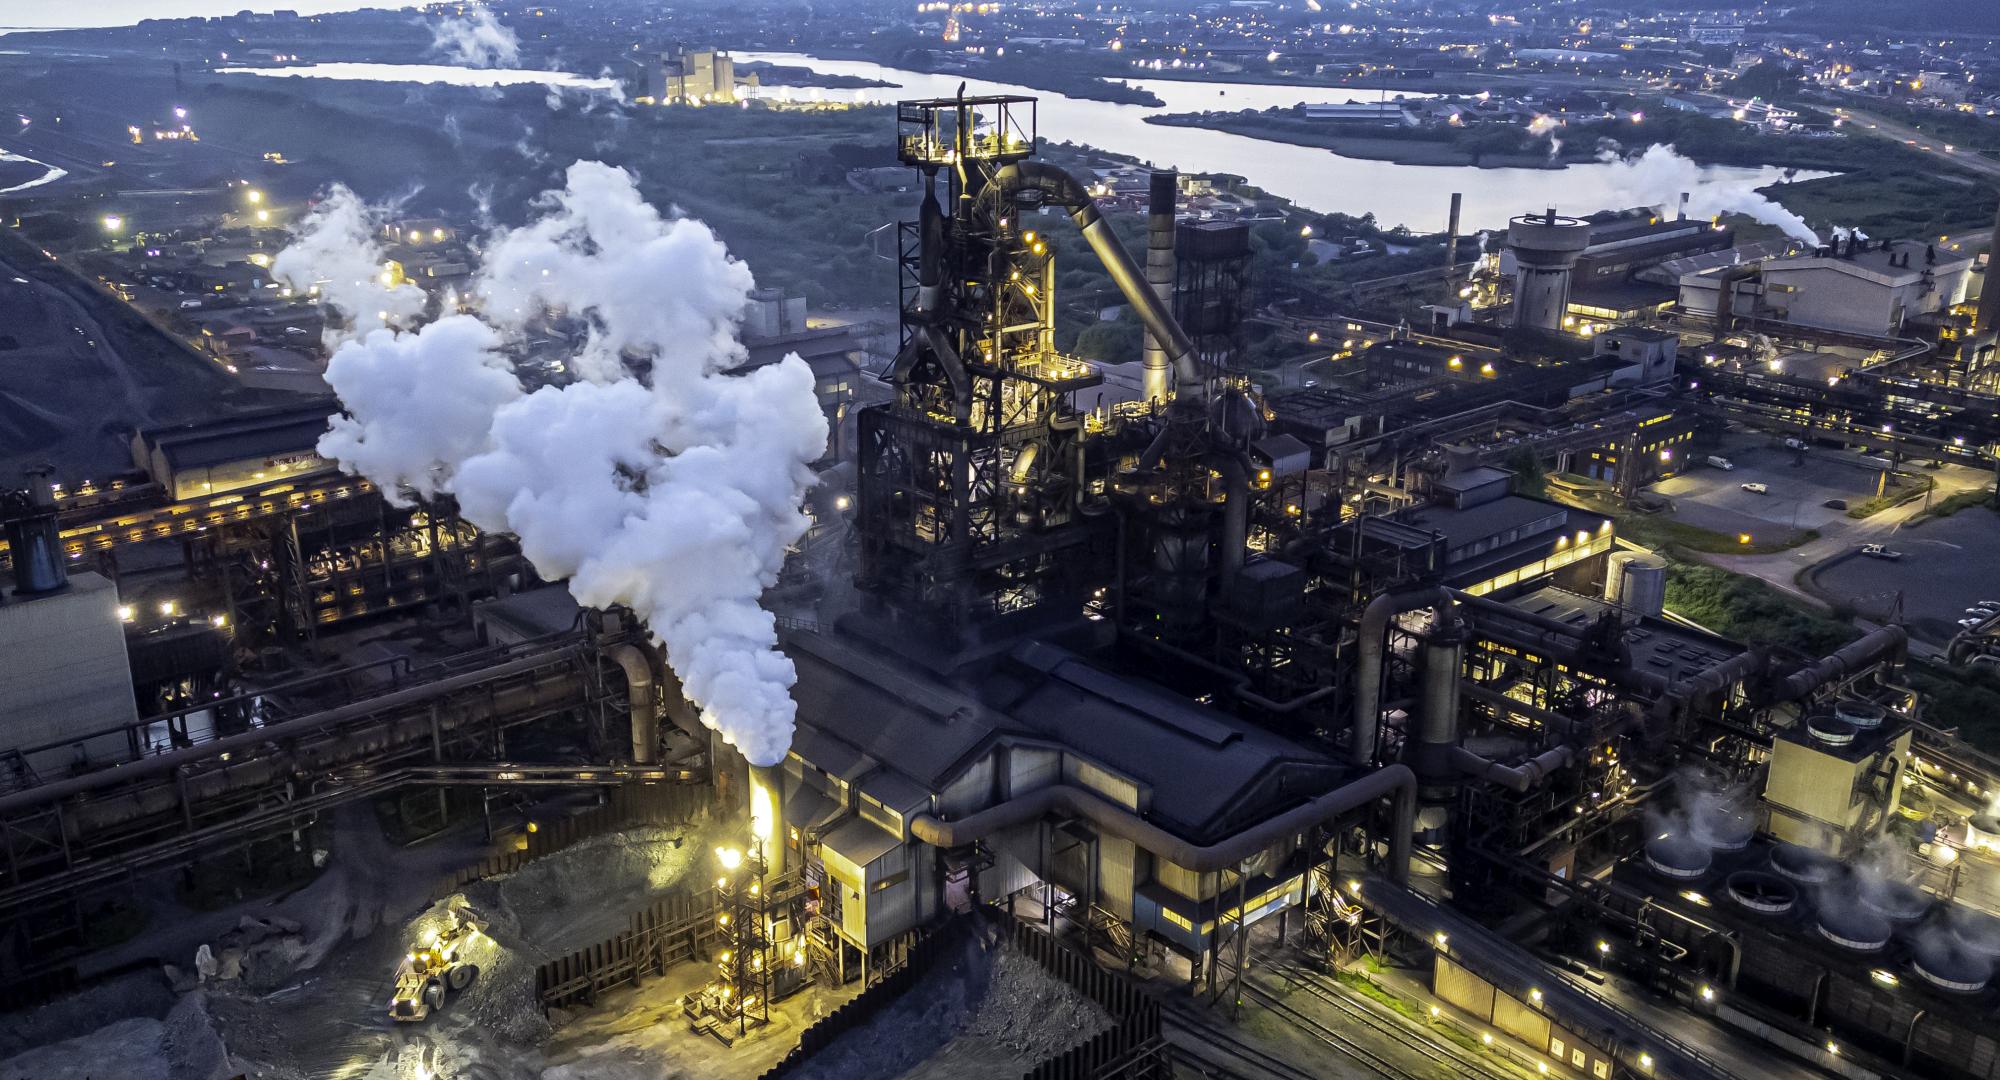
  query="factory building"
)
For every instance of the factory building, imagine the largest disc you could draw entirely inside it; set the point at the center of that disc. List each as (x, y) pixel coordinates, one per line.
(1865, 288)
(682, 76)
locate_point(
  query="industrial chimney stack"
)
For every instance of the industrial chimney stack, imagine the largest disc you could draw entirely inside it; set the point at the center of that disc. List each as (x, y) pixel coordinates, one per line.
(1160, 274)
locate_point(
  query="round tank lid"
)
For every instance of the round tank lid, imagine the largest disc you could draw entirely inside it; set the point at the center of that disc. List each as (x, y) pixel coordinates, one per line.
(1896, 900)
(1765, 893)
(1947, 966)
(1830, 731)
(1802, 863)
(1677, 856)
(1862, 714)
(1854, 928)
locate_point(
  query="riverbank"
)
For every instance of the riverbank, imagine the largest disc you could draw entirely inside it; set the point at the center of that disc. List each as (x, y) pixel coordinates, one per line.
(1023, 71)
(769, 74)
(1363, 145)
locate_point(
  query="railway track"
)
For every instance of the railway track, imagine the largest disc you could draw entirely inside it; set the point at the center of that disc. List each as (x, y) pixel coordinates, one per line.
(1333, 1039)
(1223, 1055)
(1448, 1055)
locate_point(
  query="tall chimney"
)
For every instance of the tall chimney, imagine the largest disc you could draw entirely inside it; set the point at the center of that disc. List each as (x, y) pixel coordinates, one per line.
(1684, 206)
(1160, 275)
(1451, 250)
(1988, 315)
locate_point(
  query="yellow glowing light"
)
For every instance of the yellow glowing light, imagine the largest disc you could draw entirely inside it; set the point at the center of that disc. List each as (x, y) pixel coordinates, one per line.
(730, 858)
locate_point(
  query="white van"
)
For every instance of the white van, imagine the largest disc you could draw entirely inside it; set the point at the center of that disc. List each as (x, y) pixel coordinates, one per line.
(1722, 463)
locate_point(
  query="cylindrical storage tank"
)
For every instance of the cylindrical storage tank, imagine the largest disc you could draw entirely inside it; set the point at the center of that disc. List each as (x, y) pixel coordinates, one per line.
(1765, 894)
(1803, 864)
(1545, 249)
(34, 540)
(1864, 715)
(1644, 591)
(1678, 857)
(1852, 926)
(1945, 964)
(1614, 575)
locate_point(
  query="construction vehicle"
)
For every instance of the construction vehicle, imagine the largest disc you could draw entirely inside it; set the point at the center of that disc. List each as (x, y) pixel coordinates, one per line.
(435, 968)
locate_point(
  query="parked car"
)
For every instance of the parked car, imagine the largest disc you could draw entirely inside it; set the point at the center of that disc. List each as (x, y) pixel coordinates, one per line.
(1757, 489)
(1795, 444)
(1877, 551)
(1835, 504)
(1970, 623)
(1722, 463)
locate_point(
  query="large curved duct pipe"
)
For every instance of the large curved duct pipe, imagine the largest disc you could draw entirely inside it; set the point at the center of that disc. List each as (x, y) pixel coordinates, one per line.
(645, 711)
(1396, 780)
(1517, 778)
(1373, 654)
(1062, 189)
(1883, 642)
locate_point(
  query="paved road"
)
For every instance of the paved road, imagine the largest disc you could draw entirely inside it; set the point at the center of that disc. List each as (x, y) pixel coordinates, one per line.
(1883, 127)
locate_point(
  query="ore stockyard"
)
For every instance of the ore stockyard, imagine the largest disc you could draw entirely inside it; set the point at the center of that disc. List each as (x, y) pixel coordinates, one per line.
(1152, 720)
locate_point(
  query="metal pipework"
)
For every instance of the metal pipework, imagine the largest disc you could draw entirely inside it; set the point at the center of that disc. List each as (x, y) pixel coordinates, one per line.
(1887, 641)
(1396, 780)
(1443, 657)
(1062, 189)
(1373, 645)
(1160, 275)
(1512, 777)
(645, 712)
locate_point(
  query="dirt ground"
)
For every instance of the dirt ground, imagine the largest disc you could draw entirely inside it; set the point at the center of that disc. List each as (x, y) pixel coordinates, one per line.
(305, 979)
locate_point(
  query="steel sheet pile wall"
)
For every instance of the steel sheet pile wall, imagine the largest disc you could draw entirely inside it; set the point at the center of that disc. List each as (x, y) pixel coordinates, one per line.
(669, 931)
(629, 807)
(1129, 1048)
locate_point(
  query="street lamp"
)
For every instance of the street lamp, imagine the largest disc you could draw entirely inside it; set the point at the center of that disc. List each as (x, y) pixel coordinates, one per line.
(114, 224)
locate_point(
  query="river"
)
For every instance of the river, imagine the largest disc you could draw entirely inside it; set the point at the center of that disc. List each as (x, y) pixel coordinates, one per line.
(1415, 195)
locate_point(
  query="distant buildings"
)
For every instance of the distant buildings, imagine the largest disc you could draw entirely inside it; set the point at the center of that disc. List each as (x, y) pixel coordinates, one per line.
(681, 76)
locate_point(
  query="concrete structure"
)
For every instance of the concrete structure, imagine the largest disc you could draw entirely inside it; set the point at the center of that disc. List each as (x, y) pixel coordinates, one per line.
(1545, 249)
(1854, 288)
(1833, 784)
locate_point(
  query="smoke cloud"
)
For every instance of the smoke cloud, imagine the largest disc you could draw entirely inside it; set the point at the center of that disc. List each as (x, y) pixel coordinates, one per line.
(335, 250)
(661, 481)
(1657, 177)
(476, 40)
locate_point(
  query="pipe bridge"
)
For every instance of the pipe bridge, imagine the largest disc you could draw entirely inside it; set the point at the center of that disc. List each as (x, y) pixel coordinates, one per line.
(166, 790)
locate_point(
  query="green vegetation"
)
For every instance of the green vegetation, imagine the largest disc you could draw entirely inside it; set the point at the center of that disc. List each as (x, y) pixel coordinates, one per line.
(1967, 701)
(1870, 507)
(1952, 504)
(1747, 609)
(1888, 199)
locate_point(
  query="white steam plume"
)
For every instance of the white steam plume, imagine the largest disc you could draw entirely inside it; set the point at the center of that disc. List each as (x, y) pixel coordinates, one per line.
(476, 40)
(335, 250)
(1657, 177)
(676, 493)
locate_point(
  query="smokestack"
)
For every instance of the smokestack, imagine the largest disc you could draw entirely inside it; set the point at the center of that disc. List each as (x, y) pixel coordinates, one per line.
(1451, 250)
(33, 538)
(767, 814)
(1160, 275)
(1685, 195)
(1988, 317)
